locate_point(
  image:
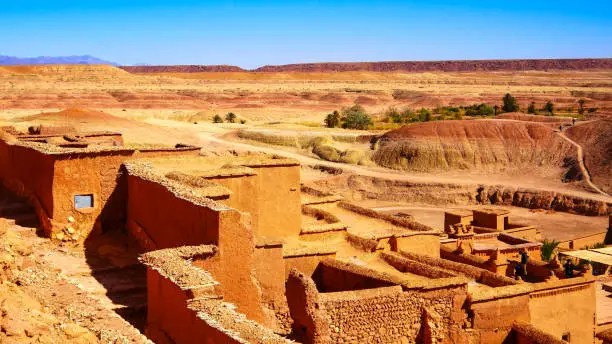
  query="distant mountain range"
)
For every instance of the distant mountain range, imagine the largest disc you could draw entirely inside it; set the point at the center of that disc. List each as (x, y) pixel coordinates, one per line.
(85, 59)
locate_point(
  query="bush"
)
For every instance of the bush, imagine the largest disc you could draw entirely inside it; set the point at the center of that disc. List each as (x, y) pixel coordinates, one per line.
(510, 104)
(242, 121)
(326, 152)
(355, 117)
(424, 115)
(531, 108)
(217, 119)
(549, 107)
(592, 110)
(230, 117)
(482, 110)
(332, 120)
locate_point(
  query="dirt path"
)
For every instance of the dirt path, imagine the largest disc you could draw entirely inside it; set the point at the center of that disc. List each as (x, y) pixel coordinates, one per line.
(581, 164)
(378, 172)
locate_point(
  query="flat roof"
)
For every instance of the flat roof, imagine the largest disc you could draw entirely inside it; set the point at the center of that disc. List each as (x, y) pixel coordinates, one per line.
(211, 166)
(491, 211)
(593, 256)
(459, 212)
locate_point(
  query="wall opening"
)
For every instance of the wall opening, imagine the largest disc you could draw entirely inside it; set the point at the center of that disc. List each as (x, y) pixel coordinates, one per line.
(566, 337)
(83, 201)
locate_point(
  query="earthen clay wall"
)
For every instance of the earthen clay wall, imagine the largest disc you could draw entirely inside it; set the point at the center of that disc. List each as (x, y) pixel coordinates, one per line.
(168, 220)
(185, 306)
(452, 219)
(565, 306)
(489, 220)
(271, 196)
(270, 273)
(388, 314)
(580, 243)
(29, 174)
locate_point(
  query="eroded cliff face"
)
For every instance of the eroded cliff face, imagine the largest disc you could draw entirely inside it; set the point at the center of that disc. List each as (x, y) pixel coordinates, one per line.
(488, 145)
(441, 194)
(595, 137)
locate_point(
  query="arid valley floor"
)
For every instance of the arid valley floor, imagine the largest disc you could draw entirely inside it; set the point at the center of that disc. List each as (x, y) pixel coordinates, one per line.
(275, 228)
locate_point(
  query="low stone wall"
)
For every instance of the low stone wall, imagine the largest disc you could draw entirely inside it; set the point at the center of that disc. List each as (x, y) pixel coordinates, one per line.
(398, 221)
(384, 312)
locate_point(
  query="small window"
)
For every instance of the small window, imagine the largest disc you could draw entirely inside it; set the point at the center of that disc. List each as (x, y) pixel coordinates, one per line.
(83, 201)
(566, 337)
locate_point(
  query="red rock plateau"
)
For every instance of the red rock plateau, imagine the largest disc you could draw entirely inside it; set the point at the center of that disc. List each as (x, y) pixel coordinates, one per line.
(396, 66)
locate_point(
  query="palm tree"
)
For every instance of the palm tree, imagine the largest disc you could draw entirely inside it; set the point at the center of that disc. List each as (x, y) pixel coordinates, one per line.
(549, 249)
(230, 117)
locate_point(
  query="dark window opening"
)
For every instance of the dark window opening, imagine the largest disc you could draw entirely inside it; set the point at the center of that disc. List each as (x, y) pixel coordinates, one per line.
(83, 201)
(566, 337)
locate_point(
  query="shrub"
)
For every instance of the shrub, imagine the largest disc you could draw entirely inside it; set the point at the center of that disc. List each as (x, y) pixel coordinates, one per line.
(332, 120)
(355, 117)
(230, 117)
(326, 152)
(242, 121)
(483, 110)
(217, 119)
(510, 103)
(549, 107)
(581, 106)
(531, 108)
(424, 115)
(592, 110)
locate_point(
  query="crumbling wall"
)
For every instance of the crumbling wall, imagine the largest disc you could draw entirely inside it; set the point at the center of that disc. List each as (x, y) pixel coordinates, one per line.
(185, 306)
(549, 304)
(270, 273)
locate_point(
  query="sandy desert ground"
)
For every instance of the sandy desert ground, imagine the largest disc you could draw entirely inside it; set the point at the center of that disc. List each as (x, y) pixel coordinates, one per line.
(178, 107)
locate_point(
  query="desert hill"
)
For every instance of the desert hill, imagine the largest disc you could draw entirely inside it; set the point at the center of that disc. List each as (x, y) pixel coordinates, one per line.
(84, 120)
(595, 137)
(487, 145)
(397, 66)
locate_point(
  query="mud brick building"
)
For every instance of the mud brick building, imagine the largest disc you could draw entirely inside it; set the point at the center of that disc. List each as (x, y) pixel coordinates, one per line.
(237, 251)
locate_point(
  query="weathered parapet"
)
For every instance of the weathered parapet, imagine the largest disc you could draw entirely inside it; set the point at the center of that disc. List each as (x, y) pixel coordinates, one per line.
(524, 333)
(550, 301)
(185, 306)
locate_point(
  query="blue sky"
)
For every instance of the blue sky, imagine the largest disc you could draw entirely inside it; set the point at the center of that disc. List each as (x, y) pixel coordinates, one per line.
(255, 33)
